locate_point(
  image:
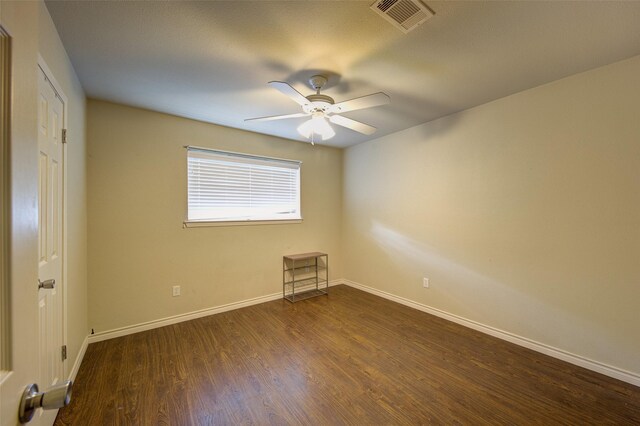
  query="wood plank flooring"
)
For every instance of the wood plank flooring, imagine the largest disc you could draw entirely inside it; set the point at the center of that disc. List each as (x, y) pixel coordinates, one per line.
(347, 358)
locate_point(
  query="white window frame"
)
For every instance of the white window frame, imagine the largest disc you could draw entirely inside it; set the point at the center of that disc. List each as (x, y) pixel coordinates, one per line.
(224, 160)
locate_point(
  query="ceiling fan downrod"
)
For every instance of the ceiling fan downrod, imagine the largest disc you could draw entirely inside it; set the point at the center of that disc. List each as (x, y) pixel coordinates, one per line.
(317, 82)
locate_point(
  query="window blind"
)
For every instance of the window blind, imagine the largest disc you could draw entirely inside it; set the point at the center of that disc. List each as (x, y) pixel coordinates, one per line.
(226, 186)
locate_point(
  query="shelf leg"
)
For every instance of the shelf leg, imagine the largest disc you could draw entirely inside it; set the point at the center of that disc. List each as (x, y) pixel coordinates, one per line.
(293, 282)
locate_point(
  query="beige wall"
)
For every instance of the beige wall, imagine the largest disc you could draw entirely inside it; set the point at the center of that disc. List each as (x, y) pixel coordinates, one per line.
(55, 56)
(138, 248)
(523, 212)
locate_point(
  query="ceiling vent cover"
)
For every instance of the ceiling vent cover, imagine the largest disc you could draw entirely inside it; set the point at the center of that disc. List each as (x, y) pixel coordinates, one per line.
(405, 15)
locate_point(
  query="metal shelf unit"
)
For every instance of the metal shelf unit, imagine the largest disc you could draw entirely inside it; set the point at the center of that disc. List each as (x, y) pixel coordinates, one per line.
(305, 275)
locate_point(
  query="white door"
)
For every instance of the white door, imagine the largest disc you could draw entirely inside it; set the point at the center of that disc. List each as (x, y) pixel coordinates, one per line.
(19, 261)
(50, 209)
(20, 298)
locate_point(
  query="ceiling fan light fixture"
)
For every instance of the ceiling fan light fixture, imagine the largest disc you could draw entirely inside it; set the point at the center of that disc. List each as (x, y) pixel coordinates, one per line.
(318, 125)
(323, 110)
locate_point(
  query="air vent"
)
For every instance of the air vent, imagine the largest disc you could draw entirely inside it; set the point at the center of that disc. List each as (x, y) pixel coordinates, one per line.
(405, 15)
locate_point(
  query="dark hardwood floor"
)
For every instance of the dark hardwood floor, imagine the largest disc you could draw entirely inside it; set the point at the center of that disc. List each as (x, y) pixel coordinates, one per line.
(346, 358)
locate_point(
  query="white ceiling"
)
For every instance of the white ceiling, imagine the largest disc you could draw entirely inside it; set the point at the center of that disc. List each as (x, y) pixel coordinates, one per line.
(211, 60)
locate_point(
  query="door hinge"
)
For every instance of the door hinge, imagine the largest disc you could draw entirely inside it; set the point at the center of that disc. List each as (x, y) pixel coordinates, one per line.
(64, 352)
(64, 135)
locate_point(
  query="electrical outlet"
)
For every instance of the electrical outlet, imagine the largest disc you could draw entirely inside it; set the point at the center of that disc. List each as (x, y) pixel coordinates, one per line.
(176, 290)
(425, 282)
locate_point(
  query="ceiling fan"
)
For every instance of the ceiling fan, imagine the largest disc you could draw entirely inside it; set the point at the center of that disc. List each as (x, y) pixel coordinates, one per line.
(322, 108)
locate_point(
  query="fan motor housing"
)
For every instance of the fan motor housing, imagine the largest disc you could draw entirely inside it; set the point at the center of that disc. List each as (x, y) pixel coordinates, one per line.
(318, 103)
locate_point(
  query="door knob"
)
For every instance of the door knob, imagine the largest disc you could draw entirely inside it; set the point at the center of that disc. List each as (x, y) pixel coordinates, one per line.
(46, 284)
(56, 397)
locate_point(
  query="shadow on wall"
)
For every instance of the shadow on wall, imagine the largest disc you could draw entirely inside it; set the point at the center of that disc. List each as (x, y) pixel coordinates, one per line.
(463, 291)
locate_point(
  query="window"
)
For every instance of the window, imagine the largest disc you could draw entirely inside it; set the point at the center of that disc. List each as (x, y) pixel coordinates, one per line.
(228, 187)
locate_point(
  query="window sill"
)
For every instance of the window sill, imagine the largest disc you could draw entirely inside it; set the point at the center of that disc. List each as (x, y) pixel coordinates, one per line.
(205, 224)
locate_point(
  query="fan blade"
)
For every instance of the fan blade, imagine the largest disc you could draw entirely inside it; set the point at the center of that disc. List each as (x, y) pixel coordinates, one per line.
(286, 89)
(278, 117)
(362, 102)
(352, 124)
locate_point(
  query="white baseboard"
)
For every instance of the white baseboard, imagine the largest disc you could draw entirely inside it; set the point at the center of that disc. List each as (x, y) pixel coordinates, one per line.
(607, 370)
(76, 364)
(136, 328)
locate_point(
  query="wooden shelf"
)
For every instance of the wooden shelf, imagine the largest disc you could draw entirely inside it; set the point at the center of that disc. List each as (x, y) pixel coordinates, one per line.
(302, 271)
(301, 282)
(306, 295)
(304, 256)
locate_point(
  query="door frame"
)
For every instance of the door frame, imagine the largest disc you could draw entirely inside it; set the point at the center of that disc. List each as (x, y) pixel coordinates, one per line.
(5, 199)
(43, 67)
